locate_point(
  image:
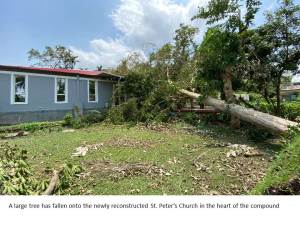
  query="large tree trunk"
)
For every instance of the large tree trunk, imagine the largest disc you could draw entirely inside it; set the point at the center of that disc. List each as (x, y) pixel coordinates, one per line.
(229, 96)
(274, 124)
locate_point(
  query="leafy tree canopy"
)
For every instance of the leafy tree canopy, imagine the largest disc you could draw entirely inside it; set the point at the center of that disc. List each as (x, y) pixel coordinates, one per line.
(53, 57)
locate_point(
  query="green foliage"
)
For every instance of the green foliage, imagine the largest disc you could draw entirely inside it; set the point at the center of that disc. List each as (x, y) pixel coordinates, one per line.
(115, 115)
(53, 57)
(68, 118)
(15, 173)
(256, 134)
(153, 104)
(137, 85)
(273, 51)
(183, 63)
(161, 103)
(126, 112)
(94, 116)
(285, 167)
(228, 13)
(291, 110)
(80, 121)
(32, 127)
(66, 178)
(190, 118)
(16, 177)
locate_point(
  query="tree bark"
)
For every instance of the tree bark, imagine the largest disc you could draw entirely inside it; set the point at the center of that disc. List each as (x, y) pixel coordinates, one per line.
(271, 123)
(229, 96)
(52, 184)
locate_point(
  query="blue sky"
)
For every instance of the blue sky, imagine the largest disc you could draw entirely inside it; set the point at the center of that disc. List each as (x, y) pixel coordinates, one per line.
(98, 31)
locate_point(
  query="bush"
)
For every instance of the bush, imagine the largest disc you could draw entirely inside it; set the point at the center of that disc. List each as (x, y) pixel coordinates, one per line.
(190, 117)
(115, 115)
(68, 119)
(291, 110)
(78, 123)
(94, 116)
(255, 134)
(91, 117)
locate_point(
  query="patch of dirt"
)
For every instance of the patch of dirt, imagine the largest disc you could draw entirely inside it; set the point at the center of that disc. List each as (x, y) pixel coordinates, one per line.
(158, 127)
(228, 175)
(15, 135)
(291, 188)
(127, 142)
(247, 171)
(119, 142)
(121, 170)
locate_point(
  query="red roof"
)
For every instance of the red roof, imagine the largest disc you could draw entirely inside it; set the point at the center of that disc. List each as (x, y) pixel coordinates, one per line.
(89, 73)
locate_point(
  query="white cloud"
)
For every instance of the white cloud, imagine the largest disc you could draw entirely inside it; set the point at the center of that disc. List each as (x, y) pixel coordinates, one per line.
(143, 25)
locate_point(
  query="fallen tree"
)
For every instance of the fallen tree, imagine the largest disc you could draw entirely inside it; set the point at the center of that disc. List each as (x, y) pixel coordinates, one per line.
(53, 183)
(271, 123)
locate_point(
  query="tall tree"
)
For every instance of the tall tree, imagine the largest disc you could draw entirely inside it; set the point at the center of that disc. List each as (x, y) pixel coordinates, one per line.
(53, 57)
(161, 62)
(183, 52)
(226, 19)
(282, 31)
(274, 51)
(226, 16)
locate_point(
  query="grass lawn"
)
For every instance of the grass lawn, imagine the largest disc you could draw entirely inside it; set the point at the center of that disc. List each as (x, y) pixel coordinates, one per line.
(283, 174)
(171, 160)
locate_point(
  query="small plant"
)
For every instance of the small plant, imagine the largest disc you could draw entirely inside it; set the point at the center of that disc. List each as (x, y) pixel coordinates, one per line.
(66, 178)
(68, 119)
(115, 115)
(78, 123)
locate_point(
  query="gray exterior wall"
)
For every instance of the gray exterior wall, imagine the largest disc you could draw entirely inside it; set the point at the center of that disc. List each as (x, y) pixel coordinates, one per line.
(41, 99)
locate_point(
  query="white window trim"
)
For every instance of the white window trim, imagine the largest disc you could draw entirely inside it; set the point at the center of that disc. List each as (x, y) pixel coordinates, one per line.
(12, 89)
(66, 90)
(96, 91)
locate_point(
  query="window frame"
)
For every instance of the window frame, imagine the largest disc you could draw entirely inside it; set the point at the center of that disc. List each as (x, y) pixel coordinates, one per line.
(66, 90)
(96, 91)
(13, 89)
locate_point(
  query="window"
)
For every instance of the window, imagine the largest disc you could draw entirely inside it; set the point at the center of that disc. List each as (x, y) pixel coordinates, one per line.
(61, 90)
(92, 91)
(19, 89)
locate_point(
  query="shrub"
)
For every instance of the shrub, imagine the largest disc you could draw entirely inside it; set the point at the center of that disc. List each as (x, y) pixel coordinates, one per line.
(190, 117)
(255, 134)
(130, 110)
(68, 119)
(115, 115)
(94, 116)
(291, 110)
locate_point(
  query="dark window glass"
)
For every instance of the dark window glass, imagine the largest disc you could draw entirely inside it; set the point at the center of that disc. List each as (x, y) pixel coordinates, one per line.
(20, 89)
(92, 91)
(60, 90)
